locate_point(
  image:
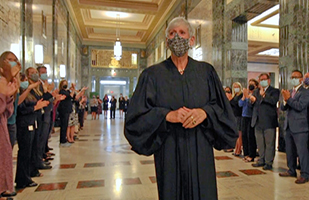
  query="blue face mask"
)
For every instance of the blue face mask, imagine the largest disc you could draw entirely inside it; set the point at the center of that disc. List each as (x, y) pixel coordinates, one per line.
(13, 63)
(306, 81)
(44, 77)
(24, 84)
(264, 83)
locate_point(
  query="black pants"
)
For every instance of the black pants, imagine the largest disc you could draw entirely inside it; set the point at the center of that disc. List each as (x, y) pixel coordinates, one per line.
(297, 145)
(113, 111)
(24, 157)
(81, 117)
(64, 121)
(12, 131)
(248, 137)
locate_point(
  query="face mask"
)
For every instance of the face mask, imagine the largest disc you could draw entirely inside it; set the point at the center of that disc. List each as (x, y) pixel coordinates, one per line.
(65, 87)
(251, 87)
(306, 81)
(44, 77)
(13, 63)
(24, 84)
(264, 83)
(34, 77)
(236, 90)
(295, 82)
(179, 46)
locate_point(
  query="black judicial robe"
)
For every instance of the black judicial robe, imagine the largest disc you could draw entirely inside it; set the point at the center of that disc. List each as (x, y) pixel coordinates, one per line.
(184, 158)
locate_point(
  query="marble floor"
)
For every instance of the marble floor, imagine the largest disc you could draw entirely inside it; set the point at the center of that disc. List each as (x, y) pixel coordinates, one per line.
(100, 166)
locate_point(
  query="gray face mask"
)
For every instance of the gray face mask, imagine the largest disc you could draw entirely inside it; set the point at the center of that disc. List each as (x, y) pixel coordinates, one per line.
(178, 45)
(34, 77)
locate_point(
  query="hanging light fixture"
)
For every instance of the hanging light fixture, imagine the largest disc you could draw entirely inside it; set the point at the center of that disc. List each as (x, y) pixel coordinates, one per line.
(117, 46)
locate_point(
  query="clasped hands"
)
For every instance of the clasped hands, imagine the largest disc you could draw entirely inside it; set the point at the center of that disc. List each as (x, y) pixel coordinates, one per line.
(189, 118)
(285, 94)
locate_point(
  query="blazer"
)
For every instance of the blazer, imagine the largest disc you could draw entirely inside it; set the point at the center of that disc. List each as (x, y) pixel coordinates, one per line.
(296, 111)
(264, 113)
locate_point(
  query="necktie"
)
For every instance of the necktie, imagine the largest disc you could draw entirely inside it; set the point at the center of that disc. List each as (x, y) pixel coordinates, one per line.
(293, 93)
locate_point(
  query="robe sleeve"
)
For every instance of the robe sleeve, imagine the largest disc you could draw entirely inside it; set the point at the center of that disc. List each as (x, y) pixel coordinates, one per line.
(145, 127)
(220, 124)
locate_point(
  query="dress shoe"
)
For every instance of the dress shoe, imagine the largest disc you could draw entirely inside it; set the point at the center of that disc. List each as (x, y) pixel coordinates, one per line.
(8, 194)
(301, 180)
(45, 167)
(268, 167)
(37, 175)
(33, 184)
(258, 165)
(49, 154)
(49, 158)
(287, 174)
(47, 163)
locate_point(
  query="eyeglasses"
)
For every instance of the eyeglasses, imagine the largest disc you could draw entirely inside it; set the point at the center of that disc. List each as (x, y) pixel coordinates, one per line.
(295, 77)
(229, 92)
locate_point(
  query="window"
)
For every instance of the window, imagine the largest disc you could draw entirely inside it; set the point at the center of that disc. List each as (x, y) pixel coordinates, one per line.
(134, 59)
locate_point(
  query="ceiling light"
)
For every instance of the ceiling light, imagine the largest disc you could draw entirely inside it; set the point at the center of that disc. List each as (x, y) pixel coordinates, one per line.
(38, 54)
(117, 46)
(114, 14)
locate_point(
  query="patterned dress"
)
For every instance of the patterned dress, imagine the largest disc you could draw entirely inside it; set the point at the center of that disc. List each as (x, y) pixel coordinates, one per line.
(6, 163)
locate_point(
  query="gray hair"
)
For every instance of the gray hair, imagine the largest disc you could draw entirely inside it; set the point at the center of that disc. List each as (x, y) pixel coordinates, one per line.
(177, 21)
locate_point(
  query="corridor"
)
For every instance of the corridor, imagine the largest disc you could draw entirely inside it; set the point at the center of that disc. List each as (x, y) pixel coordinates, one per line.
(100, 166)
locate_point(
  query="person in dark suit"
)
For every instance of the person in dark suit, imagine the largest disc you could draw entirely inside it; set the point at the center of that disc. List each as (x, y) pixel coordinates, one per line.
(113, 102)
(295, 103)
(265, 120)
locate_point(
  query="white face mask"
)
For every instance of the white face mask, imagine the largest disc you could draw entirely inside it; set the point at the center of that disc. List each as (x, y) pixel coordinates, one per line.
(236, 90)
(295, 82)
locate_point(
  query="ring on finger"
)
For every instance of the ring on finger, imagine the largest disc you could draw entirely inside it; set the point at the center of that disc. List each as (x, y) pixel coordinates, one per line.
(193, 122)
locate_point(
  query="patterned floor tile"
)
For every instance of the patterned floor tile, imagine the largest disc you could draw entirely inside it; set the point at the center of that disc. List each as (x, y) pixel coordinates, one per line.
(121, 163)
(131, 181)
(51, 186)
(153, 179)
(94, 165)
(90, 184)
(146, 162)
(225, 174)
(252, 172)
(223, 158)
(65, 166)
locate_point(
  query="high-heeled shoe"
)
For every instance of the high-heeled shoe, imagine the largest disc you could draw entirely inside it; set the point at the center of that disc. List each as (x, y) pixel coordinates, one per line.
(249, 159)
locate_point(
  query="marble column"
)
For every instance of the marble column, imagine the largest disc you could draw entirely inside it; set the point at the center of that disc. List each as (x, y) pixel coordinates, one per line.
(218, 37)
(230, 41)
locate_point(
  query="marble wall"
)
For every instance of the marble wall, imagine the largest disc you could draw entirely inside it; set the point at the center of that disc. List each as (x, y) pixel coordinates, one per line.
(201, 19)
(293, 42)
(10, 26)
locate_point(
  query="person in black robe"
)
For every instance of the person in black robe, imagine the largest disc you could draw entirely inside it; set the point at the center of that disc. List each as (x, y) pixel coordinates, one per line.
(179, 112)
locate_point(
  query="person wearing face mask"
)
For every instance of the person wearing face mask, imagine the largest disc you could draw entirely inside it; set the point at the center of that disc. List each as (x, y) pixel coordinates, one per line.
(237, 110)
(8, 87)
(248, 137)
(265, 120)
(42, 91)
(65, 109)
(179, 112)
(28, 115)
(295, 103)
